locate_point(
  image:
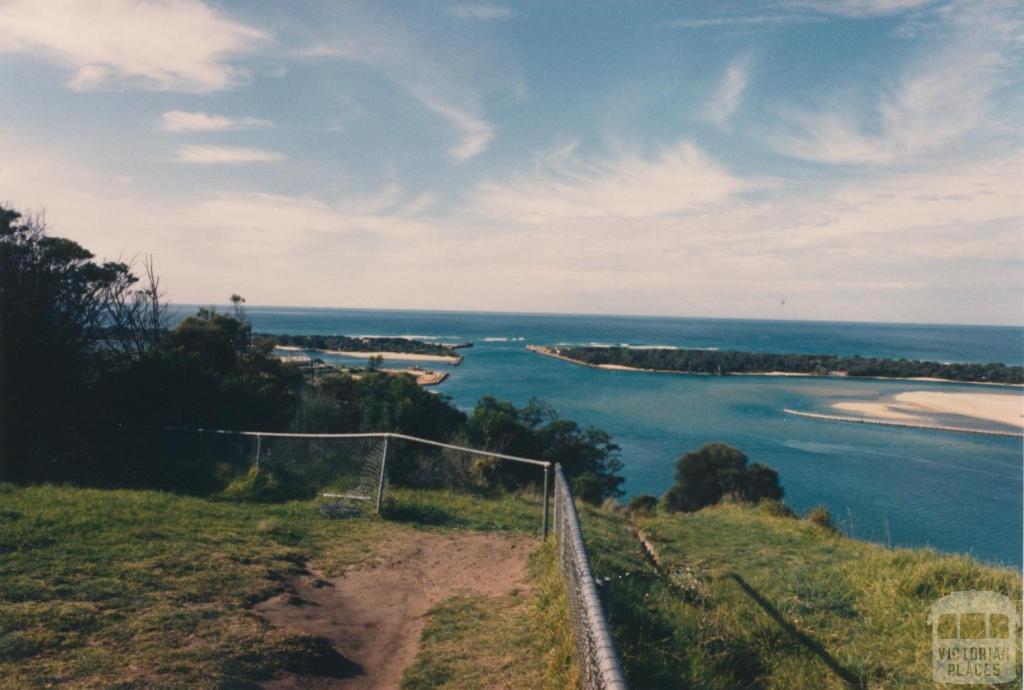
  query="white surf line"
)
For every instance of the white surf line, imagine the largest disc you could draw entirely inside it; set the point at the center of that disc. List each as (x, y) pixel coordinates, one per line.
(933, 427)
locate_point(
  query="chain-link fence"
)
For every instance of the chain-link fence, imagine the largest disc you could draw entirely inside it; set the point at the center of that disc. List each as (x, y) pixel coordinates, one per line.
(358, 467)
(343, 467)
(600, 668)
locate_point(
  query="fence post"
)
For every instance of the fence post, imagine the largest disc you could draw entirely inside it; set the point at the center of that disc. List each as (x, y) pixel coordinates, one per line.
(554, 507)
(259, 449)
(383, 473)
(547, 474)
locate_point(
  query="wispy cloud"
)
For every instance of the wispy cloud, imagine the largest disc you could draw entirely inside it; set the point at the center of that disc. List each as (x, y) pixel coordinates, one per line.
(789, 12)
(858, 8)
(679, 179)
(183, 45)
(949, 91)
(399, 56)
(477, 133)
(184, 121)
(745, 22)
(195, 153)
(729, 95)
(482, 13)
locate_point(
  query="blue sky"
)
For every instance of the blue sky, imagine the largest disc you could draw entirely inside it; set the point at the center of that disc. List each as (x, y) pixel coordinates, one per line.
(842, 159)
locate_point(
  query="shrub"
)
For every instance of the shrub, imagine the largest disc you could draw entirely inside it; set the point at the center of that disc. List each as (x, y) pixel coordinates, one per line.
(820, 516)
(268, 486)
(644, 504)
(776, 508)
(588, 488)
(716, 470)
(612, 505)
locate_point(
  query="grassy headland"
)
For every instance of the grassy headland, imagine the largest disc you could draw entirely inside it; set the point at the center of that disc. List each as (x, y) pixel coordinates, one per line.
(723, 362)
(744, 596)
(140, 589)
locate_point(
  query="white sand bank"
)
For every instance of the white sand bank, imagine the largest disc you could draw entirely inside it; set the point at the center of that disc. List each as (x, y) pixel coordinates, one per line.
(918, 406)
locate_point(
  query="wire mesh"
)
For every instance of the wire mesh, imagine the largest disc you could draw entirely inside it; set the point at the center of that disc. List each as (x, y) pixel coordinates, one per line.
(339, 467)
(426, 464)
(600, 668)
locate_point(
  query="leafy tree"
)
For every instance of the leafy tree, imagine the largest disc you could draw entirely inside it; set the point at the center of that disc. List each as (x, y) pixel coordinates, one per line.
(63, 317)
(588, 456)
(208, 373)
(705, 476)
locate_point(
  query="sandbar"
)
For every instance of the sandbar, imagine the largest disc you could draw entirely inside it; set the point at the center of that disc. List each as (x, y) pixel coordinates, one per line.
(920, 406)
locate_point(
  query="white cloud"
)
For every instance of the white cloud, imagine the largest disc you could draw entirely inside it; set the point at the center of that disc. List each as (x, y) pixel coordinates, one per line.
(729, 95)
(679, 179)
(477, 133)
(184, 121)
(179, 45)
(745, 22)
(942, 245)
(197, 153)
(859, 8)
(397, 54)
(947, 92)
(483, 13)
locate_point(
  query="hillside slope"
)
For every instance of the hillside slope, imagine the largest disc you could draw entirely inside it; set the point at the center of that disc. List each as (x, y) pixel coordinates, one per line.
(742, 597)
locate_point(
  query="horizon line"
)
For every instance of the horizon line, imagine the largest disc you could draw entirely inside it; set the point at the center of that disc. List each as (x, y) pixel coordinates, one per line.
(598, 314)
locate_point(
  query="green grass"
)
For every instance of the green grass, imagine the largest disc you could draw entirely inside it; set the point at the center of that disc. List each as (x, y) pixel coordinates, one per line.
(744, 598)
(134, 589)
(139, 589)
(522, 642)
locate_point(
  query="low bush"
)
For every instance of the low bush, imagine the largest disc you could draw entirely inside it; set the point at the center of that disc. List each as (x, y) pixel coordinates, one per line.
(644, 504)
(268, 486)
(820, 516)
(776, 508)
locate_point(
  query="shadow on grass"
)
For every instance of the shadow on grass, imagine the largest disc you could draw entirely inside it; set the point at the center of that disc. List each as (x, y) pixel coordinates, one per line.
(420, 513)
(315, 657)
(807, 641)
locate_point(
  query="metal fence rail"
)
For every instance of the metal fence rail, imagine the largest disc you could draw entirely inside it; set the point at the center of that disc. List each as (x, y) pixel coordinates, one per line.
(357, 467)
(599, 662)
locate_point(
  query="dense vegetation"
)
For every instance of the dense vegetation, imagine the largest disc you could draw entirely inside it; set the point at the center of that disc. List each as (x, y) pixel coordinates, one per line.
(92, 372)
(349, 344)
(731, 362)
(716, 471)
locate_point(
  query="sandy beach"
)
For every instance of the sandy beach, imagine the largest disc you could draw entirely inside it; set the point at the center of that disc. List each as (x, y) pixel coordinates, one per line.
(920, 406)
(401, 356)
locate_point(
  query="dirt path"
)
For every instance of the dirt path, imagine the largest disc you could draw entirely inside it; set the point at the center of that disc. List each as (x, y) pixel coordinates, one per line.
(373, 617)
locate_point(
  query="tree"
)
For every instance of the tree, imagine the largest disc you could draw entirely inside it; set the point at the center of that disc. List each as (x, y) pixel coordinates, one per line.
(588, 457)
(55, 306)
(135, 315)
(705, 476)
(207, 373)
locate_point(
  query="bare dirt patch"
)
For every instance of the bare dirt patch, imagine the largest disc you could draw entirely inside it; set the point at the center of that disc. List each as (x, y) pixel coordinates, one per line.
(373, 616)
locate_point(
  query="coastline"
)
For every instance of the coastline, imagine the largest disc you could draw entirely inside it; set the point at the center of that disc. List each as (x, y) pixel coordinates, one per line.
(549, 352)
(906, 425)
(451, 360)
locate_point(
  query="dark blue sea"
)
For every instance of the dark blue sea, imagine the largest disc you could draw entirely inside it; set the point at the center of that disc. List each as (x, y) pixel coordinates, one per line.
(955, 492)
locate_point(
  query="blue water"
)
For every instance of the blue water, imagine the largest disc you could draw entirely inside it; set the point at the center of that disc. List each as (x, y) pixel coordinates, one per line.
(955, 492)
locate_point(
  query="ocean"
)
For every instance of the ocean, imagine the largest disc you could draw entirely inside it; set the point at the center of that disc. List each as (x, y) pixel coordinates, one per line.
(905, 487)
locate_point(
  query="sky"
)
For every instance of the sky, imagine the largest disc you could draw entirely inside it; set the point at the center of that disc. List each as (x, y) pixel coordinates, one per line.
(783, 159)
